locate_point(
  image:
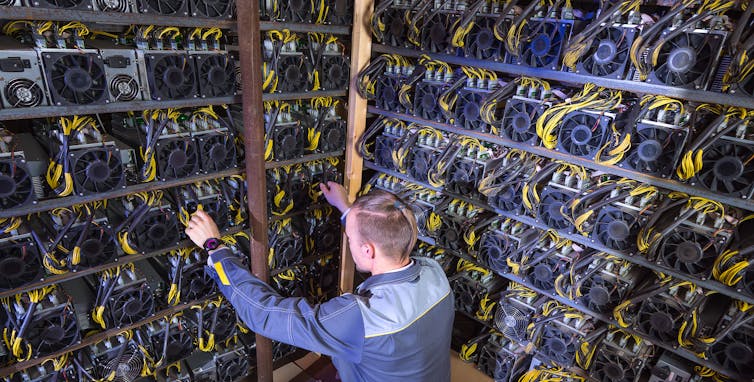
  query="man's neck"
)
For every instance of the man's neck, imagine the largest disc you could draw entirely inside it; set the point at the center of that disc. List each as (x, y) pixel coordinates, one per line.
(394, 268)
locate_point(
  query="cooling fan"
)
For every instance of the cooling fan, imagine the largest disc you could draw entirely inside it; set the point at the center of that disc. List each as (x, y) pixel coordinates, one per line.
(687, 59)
(287, 250)
(112, 5)
(467, 296)
(660, 320)
(65, 4)
(218, 151)
(230, 370)
(557, 345)
(608, 55)
(553, 209)
(450, 234)
(542, 44)
(387, 93)
(129, 304)
(333, 136)
(287, 142)
(212, 8)
(420, 161)
(395, 28)
(512, 321)
(157, 230)
(688, 251)
(97, 170)
(125, 360)
(20, 262)
(196, 283)
(216, 73)
(52, 329)
(467, 111)
(655, 149)
(334, 72)
(164, 7)
(494, 250)
(726, 168)
(21, 78)
(294, 73)
(436, 33)
(481, 42)
(610, 366)
(75, 78)
(326, 237)
(519, 121)
(495, 362)
(176, 158)
(509, 199)
(23, 92)
(582, 134)
(735, 351)
(425, 101)
(383, 152)
(123, 88)
(296, 11)
(225, 325)
(178, 345)
(97, 243)
(542, 275)
(615, 228)
(16, 187)
(599, 294)
(171, 76)
(463, 177)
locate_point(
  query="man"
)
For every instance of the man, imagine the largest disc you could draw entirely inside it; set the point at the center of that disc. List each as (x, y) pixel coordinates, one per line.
(397, 325)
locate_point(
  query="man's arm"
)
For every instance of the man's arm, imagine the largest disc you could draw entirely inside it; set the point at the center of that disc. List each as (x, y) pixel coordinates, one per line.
(333, 328)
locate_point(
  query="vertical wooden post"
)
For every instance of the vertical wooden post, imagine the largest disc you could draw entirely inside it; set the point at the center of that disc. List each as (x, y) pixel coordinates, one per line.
(250, 49)
(361, 48)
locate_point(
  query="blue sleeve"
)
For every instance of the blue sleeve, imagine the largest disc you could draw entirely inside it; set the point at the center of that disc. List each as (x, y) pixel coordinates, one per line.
(333, 328)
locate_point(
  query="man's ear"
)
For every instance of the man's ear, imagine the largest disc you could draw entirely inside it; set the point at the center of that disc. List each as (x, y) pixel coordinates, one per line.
(368, 250)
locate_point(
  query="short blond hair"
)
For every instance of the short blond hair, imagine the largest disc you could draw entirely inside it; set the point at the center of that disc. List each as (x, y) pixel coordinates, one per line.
(387, 222)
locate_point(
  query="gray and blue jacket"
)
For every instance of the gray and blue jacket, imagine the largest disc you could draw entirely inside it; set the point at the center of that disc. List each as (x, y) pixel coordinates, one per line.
(396, 327)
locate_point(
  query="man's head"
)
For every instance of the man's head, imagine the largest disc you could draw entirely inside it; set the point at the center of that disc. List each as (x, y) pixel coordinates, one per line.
(381, 232)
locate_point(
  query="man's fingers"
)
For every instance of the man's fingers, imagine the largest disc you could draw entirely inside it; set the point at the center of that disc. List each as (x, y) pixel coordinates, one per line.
(324, 187)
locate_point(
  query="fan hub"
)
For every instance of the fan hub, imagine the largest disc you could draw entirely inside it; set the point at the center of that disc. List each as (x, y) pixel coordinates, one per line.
(78, 79)
(521, 122)
(543, 273)
(614, 372)
(556, 345)
(540, 45)
(451, 236)
(288, 141)
(12, 267)
(218, 153)
(173, 77)
(605, 53)
(24, 94)
(661, 322)
(689, 252)
(510, 322)
(132, 307)
(471, 111)
(599, 295)
(508, 194)
(581, 134)
(157, 232)
(91, 248)
(98, 171)
(334, 137)
(554, 209)
(484, 39)
(233, 370)
(7, 186)
(292, 74)
(217, 75)
(429, 102)
(177, 159)
(124, 87)
(618, 230)
(111, 4)
(387, 95)
(681, 60)
(437, 33)
(335, 72)
(739, 353)
(53, 334)
(649, 150)
(728, 168)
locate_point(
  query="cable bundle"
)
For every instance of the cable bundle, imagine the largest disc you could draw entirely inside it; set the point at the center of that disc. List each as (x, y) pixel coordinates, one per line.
(59, 172)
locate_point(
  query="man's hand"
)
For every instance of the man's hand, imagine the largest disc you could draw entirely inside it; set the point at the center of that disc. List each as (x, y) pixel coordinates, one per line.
(335, 195)
(201, 227)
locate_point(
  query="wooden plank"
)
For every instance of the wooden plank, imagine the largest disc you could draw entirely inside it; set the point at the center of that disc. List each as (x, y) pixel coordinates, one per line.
(250, 52)
(361, 48)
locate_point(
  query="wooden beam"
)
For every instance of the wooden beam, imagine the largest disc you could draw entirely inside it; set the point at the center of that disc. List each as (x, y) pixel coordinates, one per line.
(250, 52)
(361, 48)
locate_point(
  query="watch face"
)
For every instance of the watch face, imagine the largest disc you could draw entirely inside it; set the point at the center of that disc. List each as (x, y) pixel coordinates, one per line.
(211, 244)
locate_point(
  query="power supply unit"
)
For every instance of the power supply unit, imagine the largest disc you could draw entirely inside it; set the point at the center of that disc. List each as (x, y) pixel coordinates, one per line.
(121, 71)
(21, 82)
(74, 76)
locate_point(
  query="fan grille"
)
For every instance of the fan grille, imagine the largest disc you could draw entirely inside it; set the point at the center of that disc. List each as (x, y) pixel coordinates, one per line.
(75, 79)
(23, 92)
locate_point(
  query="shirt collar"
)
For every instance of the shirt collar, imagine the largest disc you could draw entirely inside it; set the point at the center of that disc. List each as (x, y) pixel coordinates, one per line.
(407, 273)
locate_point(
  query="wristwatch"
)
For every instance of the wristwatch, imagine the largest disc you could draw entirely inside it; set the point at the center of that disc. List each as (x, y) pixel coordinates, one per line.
(212, 244)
